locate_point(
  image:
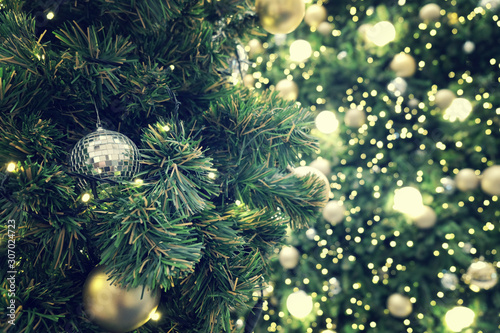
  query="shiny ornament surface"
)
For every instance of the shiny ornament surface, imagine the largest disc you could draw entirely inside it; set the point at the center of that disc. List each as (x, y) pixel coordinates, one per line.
(325, 28)
(449, 281)
(404, 65)
(287, 89)
(481, 275)
(105, 154)
(469, 47)
(399, 305)
(466, 180)
(280, 16)
(315, 14)
(304, 171)
(114, 308)
(427, 219)
(289, 257)
(490, 181)
(322, 165)
(444, 97)
(430, 12)
(333, 212)
(354, 118)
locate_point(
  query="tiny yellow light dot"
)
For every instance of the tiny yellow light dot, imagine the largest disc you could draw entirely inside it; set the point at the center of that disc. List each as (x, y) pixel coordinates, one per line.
(11, 167)
(139, 181)
(166, 128)
(211, 175)
(50, 15)
(86, 197)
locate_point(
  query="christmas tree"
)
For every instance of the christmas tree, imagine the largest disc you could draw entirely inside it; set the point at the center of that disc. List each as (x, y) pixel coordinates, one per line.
(137, 180)
(406, 100)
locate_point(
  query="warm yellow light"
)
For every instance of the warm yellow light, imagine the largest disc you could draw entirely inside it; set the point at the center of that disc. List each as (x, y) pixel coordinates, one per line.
(139, 181)
(11, 167)
(86, 197)
(381, 33)
(155, 316)
(459, 109)
(408, 200)
(300, 50)
(459, 318)
(211, 175)
(166, 128)
(50, 15)
(299, 304)
(326, 122)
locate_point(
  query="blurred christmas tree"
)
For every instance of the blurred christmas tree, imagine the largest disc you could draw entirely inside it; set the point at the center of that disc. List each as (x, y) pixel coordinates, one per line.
(407, 111)
(181, 193)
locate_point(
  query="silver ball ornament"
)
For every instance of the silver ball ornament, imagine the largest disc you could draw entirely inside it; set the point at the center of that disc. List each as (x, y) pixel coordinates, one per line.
(490, 182)
(449, 281)
(466, 180)
(289, 257)
(105, 154)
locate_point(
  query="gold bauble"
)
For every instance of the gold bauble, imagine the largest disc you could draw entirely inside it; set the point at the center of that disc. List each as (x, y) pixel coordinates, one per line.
(287, 89)
(307, 171)
(443, 98)
(322, 165)
(249, 81)
(114, 308)
(355, 118)
(466, 180)
(333, 212)
(426, 219)
(399, 305)
(403, 64)
(325, 28)
(430, 12)
(280, 16)
(315, 14)
(490, 182)
(481, 275)
(289, 257)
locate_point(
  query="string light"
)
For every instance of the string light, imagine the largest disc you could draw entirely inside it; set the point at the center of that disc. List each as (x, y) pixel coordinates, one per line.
(326, 122)
(458, 318)
(381, 33)
(11, 167)
(155, 316)
(85, 197)
(299, 304)
(408, 200)
(300, 50)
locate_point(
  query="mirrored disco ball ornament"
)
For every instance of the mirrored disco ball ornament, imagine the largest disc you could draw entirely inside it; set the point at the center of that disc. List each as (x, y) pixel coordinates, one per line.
(106, 155)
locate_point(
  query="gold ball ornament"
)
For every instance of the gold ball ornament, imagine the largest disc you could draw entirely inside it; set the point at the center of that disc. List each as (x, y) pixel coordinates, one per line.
(280, 16)
(322, 165)
(287, 89)
(304, 171)
(114, 308)
(425, 220)
(254, 48)
(399, 305)
(355, 118)
(315, 14)
(430, 12)
(481, 275)
(466, 180)
(249, 81)
(289, 257)
(333, 212)
(490, 182)
(404, 65)
(325, 28)
(443, 98)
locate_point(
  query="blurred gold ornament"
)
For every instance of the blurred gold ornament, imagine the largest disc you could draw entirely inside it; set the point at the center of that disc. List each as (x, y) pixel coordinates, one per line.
(333, 212)
(403, 64)
(254, 48)
(304, 171)
(325, 28)
(289, 257)
(426, 220)
(315, 14)
(248, 81)
(399, 305)
(280, 16)
(287, 89)
(490, 182)
(466, 180)
(443, 98)
(322, 165)
(114, 308)
(430, 12)
(355, 118)
(481, 275)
